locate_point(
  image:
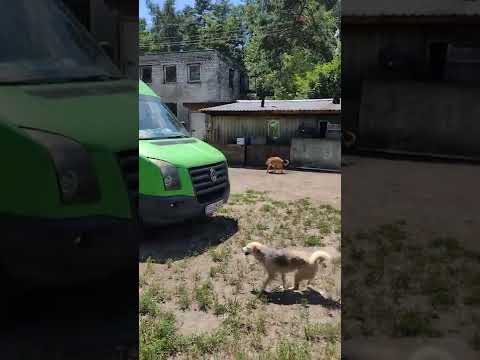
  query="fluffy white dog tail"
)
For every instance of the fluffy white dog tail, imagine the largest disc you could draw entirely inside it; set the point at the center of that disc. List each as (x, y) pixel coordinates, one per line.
(319, 254)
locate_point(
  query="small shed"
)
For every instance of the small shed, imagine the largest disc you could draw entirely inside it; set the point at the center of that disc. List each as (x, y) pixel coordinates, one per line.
(248, 131)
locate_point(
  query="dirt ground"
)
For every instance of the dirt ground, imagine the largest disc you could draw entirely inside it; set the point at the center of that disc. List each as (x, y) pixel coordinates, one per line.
(411, 260)
(321, 187)
(198, 292)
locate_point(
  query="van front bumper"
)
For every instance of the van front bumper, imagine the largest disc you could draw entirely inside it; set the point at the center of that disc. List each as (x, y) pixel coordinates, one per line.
(164, 210)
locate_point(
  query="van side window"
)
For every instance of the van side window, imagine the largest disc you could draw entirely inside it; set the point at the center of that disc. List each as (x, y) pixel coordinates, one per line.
(147, 74)
(170, 74)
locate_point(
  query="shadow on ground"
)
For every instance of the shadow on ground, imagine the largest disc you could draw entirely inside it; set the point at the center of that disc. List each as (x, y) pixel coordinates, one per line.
(309, 296)
(191, 238)
(76, 322)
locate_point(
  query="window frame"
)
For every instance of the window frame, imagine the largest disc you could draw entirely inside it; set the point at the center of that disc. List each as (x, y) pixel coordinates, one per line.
(149, 67)
(189, 80)
(165, 74)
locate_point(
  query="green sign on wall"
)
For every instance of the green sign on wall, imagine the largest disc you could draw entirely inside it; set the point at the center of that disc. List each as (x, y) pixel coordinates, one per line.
(274, 129)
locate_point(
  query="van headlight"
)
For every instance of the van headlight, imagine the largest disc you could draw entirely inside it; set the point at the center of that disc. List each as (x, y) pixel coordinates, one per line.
(75, 173)
(171, 178)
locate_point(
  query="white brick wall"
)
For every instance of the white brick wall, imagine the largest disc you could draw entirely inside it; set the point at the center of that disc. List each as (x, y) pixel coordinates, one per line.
(213, 85)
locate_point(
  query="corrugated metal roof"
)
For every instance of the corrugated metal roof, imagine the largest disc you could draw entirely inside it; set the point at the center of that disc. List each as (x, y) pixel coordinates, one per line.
(278, 106)
(410, 7)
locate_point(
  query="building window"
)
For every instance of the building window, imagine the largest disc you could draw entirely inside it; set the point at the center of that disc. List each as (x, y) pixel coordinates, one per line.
(170, 74)
(193, 73)
(462, 62)
(172, 107)
(147, 74)
(231, 78)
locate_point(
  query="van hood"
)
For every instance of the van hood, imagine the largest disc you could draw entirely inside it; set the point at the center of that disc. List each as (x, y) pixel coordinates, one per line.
(187, 152)
(97, 114)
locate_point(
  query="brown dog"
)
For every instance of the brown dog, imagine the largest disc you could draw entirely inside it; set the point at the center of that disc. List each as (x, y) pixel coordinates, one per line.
(277, 164)
(276, 261)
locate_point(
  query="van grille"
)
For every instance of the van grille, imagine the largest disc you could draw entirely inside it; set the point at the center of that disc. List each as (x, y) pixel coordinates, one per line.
(128, 161)
(207, 190)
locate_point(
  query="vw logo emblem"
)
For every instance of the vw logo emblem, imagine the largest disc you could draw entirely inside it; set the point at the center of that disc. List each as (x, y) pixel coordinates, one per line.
(213, 175)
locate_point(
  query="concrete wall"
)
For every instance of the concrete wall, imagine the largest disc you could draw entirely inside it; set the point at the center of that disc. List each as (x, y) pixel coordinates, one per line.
(235, 154)
(252, 155)
(257, 155)
(366, 45)
(213, 85)
(225, 129)
(397, 116)
(316, 153)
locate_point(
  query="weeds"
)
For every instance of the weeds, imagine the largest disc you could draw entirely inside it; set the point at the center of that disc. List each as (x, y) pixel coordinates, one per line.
(183, 297)
(204, 296)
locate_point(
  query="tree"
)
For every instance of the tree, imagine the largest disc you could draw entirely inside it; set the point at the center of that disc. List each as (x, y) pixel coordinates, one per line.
(290, 48)
(165, 30)
(324, 81)
(289, 38)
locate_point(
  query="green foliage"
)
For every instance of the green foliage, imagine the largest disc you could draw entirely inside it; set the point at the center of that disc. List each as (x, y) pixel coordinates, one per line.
(289, 48)
(323, 81)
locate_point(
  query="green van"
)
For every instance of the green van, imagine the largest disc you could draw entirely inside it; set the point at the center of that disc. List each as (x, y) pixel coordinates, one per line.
(70, 150)
(180, 177)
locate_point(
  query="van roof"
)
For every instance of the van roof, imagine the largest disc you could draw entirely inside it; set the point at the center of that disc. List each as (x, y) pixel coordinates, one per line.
(144, 89)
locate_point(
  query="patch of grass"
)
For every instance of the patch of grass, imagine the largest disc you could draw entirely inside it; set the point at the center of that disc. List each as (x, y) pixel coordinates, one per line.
(147, 272)
(261, 324)
(324, 227)
(442, 299)
(331, 351)
(204, 296)
(183, 297)
(261, 227)
(147, 304)
(219, 309)
(267, 208)
(473, 296)
(216, 270)
(289, 350)
(233, 322)
(157, 337)
(413, 323)
(203, 344)
(475, 341)
(328, 332)
(449, 244)
(219, 254)
(314, 240)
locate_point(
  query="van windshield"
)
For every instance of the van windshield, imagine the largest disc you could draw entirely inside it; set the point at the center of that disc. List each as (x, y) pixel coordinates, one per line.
(156, 120)
(42, 42)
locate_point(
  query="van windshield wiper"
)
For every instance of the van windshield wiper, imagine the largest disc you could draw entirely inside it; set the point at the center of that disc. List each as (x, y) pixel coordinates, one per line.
(176, 137)
(99, 77)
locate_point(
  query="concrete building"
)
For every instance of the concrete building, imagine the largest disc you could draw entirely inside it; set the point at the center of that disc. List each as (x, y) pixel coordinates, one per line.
(113, 23)
(305, 131)
(189, 81)
(410, 75)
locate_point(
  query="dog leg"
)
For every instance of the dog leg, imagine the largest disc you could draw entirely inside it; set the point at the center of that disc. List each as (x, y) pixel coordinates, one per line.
(297, 281)
(266, 282)
(268, 168)
(284, 282)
